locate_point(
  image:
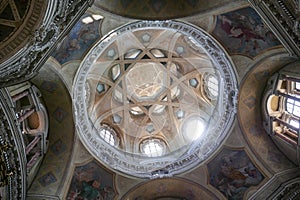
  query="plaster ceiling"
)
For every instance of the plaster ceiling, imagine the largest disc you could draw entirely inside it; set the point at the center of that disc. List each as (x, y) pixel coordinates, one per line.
(156, 96)
(159, 9)
(247, 143)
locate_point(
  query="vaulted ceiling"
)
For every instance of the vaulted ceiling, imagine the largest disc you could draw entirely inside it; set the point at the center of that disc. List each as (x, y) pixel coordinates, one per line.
(244, 164)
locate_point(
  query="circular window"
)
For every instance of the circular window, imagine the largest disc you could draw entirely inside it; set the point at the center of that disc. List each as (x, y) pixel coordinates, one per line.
(144, 79)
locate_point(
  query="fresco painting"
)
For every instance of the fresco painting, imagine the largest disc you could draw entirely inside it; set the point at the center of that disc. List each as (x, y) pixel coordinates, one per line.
(243, 32)
(91, 182)
(78, 41)
(232, 173)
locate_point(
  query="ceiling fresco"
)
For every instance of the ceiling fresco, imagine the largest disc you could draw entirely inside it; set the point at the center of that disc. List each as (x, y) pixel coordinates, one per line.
(91, 181)
(125, 108)
(75, 47)
(249, 114)
(232, 173)
(61, 133)
(243, 32)
(78, 41)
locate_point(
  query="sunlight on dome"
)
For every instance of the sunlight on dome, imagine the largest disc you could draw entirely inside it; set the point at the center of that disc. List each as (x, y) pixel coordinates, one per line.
(192, 128)
(294, 123)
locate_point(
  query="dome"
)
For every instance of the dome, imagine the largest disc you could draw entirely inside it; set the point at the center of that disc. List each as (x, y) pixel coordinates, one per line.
(154, 98)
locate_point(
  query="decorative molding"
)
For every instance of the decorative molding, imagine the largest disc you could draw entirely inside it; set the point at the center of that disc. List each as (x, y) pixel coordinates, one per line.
(42, 196)
(284, 185)
(14, 155)
(59, 17)
(289, 190)
(269, 90)
(283, 18)
(24, 31)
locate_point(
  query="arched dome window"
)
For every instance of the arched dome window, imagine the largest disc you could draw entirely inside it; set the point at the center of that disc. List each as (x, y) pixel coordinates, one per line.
(153, 147)
(108, 135)
(211, 86)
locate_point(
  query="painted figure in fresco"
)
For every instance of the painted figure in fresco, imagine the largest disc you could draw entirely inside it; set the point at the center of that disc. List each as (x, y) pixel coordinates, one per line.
(90, 191)
(233, 181)
(254, 176)
(243, 29)
(90, 182)
(78, 41)
(107, 193)
(244, 32)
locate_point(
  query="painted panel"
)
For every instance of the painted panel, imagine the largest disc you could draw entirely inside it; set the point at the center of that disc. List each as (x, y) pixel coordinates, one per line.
(243, 32)
(79, 40)
(232, 173)
(91, 182)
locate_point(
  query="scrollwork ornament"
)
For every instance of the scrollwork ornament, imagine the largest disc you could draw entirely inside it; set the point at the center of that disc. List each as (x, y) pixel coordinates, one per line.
(15, 177)
(25, 63)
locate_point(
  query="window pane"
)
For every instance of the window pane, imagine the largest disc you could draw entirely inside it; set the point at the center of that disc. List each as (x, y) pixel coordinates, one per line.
(153, 148)
(296, 111)
(294, 123)
(107, 136)
(211, 86)
(133, 53)
(297, 86)
(293, 107)
(115, 72)
(290, 100)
